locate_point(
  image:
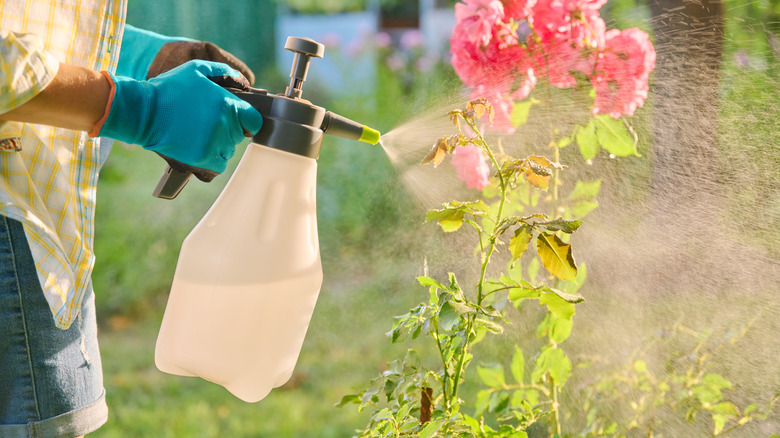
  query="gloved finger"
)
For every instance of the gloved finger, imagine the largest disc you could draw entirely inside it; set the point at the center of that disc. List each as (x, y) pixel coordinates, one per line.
(250, 119)
(226, 81)
(175, 53)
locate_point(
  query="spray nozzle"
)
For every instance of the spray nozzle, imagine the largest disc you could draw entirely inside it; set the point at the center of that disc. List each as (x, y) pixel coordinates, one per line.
(341, 126)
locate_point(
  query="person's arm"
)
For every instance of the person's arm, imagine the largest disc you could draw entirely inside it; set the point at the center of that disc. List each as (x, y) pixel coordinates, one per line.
(75, 99)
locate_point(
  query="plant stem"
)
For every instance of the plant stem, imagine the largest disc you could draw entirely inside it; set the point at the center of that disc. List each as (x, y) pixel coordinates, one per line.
(446, 376)
(556, 413)
(485, 258)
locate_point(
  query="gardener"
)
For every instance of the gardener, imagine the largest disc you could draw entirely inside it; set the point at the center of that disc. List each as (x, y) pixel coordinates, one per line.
(66, 90)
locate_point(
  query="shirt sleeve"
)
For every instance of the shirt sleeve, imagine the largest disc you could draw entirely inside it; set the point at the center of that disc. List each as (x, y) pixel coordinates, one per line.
(25, 69)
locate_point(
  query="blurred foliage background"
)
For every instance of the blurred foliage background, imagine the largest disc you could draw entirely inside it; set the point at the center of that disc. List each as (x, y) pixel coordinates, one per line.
(372, 240)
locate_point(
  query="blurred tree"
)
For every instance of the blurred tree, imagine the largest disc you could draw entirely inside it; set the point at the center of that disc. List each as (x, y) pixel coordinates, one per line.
(244, 28)
(689, 47)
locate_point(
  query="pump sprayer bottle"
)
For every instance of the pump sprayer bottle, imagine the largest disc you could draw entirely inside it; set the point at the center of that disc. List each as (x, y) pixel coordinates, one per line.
(249, 273)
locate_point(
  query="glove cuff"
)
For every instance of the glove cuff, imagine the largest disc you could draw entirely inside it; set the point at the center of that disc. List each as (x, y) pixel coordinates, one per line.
(131, 113)
(99, 124)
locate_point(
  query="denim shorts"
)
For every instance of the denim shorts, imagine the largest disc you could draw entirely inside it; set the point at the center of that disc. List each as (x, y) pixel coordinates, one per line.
(51, 380)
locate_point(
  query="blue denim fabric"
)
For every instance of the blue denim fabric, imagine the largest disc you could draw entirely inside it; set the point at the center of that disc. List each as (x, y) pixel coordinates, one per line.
(51, 380)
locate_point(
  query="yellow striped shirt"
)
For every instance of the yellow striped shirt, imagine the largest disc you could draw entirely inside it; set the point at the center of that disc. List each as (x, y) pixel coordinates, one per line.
(48, 175)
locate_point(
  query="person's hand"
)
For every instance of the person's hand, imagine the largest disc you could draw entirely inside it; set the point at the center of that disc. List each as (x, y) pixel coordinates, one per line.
(183, 114)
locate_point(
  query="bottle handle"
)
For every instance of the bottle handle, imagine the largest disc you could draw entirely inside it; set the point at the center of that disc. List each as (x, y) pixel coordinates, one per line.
(176, 176)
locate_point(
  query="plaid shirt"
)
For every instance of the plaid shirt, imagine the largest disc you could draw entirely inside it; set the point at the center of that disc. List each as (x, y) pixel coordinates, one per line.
(48, 175)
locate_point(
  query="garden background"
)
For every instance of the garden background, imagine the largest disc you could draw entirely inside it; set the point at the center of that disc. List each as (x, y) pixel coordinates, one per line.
(373, 240)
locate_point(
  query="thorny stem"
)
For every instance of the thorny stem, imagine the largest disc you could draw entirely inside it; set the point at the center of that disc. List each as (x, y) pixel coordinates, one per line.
(444, 362)
(485, 258)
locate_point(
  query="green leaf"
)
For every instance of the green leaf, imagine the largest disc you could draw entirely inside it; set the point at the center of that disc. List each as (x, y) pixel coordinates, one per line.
(520, 112)
(452, 215)
(587, 141)
(450, 220)
(725, 408)
(347, 399)
(585, 190)
(719, 422)
(582, 208)
(492, 375)
(448, 316)
(384, 414)
(518, 365)
(428, 281)
(560, 329)
(561, 224)
(519, 243)
(554, 361)
(557, 305)
(430, 429)
(615, 136)
(556, 256)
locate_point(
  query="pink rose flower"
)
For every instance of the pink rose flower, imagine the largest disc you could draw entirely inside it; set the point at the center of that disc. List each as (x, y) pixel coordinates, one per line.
(518, 9)
(623, 71)
(476, 20)
(469, 162)
(570, 33)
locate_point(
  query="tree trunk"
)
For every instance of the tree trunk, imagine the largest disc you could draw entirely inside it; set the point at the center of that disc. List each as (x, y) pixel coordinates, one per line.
(689, 47)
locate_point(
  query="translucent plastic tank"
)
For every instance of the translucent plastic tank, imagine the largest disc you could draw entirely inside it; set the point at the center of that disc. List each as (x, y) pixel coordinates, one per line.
(247, 279)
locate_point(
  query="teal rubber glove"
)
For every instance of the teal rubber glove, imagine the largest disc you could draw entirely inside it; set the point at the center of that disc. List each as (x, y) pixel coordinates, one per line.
(183, 115)
(139, 49)
(146, 54)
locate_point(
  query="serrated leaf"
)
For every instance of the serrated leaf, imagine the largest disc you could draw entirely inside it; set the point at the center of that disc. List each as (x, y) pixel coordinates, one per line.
(554, 361)
(448, 316)
(559, 328)
(518, 365)
(587, 140)
(428, 281)
(557, 305)
(452, 215)
(561, 224)
(449, 220)
(556, 256)
(615, 136)
(492, 375)
(430, 429)
(347, 399)
(519, 243)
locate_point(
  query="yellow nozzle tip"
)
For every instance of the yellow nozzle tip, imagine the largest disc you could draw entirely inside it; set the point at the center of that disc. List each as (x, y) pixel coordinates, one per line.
(370, 135)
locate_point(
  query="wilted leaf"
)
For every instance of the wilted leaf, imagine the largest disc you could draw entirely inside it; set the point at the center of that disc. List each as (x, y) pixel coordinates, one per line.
(556, 256)
(437, 153)
(538, 171)
(561, 224)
